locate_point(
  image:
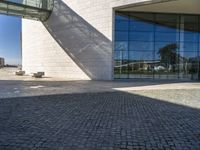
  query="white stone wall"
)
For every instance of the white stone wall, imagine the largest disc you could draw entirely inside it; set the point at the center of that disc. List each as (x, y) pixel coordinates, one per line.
(99, 12)
(78, 44)
(42, 53)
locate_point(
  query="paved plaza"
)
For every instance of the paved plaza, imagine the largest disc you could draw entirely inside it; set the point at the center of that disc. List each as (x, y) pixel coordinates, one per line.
(99, 115)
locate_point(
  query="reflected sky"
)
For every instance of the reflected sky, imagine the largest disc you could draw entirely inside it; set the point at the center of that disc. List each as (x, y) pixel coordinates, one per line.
(132, 33)
(168, 42)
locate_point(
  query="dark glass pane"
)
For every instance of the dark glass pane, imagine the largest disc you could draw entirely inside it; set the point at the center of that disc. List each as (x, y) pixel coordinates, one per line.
(121, 55)
(162, 46)
(189, 27)
(167, 18)
(140, 69)
(140, 64)
(121, 69)
(189, 37)
(141, 55)
(173, 37)
(117, 55)
(199, 37)
(141, 36)
(167, 58)
(121, 46)
(121, 36)
(187, 46)
(141, 26)
(167, 27)
(164, 70)
(136, 45)
(186, 55)
(189, 19)
(121, 25)
(166, 46)
(121, 16)
(188, 65)
(147, 17)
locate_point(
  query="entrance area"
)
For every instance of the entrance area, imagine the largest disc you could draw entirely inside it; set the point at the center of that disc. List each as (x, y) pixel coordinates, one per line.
(157, 45)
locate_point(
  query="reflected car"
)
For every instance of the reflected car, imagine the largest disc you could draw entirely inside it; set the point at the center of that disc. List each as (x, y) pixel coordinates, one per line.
(159, 68)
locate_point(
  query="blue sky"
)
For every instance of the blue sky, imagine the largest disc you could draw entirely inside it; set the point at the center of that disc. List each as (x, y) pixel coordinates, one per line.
(10, 43)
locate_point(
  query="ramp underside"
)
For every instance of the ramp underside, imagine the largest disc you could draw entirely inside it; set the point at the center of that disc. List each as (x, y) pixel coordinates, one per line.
(31, 9)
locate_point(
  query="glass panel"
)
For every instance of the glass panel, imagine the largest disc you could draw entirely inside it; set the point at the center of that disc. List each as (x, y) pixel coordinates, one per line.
(121, 36)
(167, 18)
(148, 17)
(189, 19)
(121, 16)
(189, 27)
(141, 55)
(186, 46)
(189, 37)
(44, 4)
(121, 69)
(141, 36)
(121, 55)
(167, 47)
(167, 27)
(121, 25)
(141, 26)
(140, 64)
(137, 45)
(159, 36)
(121, 46)
(188, 65)
(32, 9)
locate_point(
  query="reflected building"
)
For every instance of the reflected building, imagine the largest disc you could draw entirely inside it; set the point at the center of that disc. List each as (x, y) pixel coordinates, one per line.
(157, 45)
(110, 39)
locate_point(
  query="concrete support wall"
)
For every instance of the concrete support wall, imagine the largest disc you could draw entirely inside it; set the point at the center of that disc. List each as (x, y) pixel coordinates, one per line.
(78, 43)
(42, 53)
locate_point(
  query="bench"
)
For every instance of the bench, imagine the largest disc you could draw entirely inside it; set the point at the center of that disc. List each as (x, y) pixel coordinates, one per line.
(38, 74)
(20, 73)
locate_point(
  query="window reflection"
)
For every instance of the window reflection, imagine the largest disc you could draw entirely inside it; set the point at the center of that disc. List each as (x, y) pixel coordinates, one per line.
(189, 37)
(121, 36)
(141, 26)
(157, 46)
(141, 36)
(139, 45)
(159, 36)
(121, 25)
(167, 27)
(121, 46)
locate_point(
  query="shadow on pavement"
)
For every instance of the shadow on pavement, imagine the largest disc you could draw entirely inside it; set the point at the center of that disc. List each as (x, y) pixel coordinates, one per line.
(108, 120)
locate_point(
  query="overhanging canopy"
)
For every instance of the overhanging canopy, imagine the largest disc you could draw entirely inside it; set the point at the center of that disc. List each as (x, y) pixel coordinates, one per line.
(165, 6)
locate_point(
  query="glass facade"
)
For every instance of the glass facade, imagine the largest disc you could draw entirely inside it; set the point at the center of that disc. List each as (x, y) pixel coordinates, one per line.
(33, 9)
(151, 45)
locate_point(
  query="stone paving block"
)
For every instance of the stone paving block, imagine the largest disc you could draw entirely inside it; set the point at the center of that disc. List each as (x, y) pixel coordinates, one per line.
(98, 121)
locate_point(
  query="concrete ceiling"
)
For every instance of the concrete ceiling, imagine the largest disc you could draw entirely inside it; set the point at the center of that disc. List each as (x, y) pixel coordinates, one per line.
(172, 6)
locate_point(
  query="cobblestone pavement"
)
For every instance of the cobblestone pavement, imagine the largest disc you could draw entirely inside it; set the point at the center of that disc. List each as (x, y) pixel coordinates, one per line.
(98, 121)
(19, 88)
(186, 97)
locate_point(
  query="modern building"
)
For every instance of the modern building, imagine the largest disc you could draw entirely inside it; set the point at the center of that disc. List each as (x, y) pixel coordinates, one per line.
(111, 39)
(2, 62)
